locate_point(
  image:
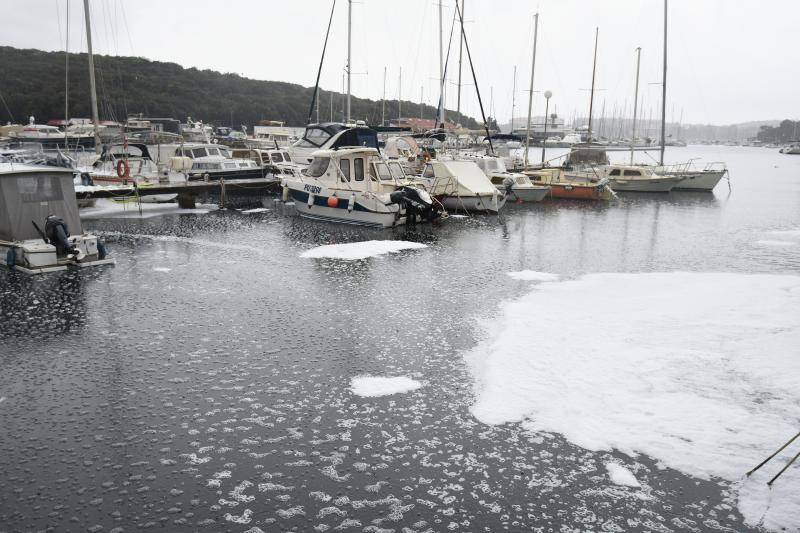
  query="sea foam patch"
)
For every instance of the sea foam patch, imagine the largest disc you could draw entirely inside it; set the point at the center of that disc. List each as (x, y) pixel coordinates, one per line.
(371, 386)
(620, 475)
(699, 371)
(352, 251)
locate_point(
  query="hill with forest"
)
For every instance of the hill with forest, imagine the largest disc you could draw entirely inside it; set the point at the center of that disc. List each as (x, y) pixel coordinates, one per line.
(33, 83)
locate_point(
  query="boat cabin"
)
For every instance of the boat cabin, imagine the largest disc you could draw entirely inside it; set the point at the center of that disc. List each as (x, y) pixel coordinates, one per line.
(332, 136)
(355, 169)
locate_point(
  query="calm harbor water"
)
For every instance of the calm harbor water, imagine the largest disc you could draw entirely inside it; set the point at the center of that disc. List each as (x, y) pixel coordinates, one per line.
(204, 382)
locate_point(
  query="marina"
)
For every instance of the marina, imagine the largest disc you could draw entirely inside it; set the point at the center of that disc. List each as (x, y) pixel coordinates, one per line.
(334, 313)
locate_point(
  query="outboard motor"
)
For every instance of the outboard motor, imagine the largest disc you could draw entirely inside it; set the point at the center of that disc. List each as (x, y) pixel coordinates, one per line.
(508, 183)
(57, 234)
(416, 202)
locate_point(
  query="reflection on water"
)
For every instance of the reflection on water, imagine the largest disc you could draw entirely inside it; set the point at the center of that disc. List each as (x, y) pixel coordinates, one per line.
(204, 381)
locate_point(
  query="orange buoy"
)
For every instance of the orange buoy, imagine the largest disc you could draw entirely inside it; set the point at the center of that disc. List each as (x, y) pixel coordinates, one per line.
(333, 201)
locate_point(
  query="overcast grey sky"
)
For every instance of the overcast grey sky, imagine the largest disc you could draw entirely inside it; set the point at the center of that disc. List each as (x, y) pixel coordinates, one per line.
(729, 61)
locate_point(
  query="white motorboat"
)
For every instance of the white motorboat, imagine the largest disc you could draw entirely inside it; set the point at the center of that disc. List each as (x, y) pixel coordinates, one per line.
(357, 186)
(196, 131)
(122, 164)
(461, 185)
(206, 161)
(629, 178)
(517, 186)
(329, 136)
(791, 149)
(46, 194)
(51, 137)
(276, 160)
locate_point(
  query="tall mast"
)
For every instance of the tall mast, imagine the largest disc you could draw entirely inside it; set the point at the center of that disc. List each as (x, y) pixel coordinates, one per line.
(421, 100)
(635, 100)
(66, 85)
(349, 50)
(460, 51)
(530, 90)
(400, 96)
(441, 65)
(664, 88)
(383, 102)
(93, 89)
(513, 97)
(594, 71)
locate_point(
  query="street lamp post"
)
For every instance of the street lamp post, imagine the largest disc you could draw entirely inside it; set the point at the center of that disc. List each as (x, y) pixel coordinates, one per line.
(547, 95)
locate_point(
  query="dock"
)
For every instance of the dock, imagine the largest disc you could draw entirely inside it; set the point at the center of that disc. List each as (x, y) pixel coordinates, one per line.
(187, 191)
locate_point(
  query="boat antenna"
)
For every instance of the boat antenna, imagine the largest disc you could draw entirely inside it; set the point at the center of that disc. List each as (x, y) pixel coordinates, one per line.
(530, 96)
(591, 96)
(664, 89)
(319, 71)
(474, 78)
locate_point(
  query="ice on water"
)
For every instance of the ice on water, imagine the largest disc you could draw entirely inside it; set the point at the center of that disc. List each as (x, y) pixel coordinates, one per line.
(532, 275)
(352, 251)
(696, 370)
(371, 386)
(621, 476)
(110, 209)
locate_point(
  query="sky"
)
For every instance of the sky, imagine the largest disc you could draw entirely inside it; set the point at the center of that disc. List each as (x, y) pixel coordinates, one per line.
(728, 61)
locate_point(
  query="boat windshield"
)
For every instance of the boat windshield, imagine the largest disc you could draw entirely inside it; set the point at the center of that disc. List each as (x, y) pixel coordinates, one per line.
(198, 152)
(276, 157)
(383, 171)
(315, 137)
(286, 157)
(397, 170)
(318, 166)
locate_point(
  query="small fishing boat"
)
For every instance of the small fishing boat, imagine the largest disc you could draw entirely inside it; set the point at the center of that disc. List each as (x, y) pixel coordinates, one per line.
(791, 149)
(572, 185)
(516, 185)
(632, 178)
(45, 194)
(357, 186)
(695, 179)
(462, 186)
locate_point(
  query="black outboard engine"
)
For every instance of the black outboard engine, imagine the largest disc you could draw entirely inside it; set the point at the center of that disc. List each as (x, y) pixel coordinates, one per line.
(416, 201)
(57, 234)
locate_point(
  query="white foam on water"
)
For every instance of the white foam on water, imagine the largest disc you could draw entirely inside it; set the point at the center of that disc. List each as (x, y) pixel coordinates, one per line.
(768, 242)
(105, 208)
(532, 275)
(620, 475)
(696, 370)
(256, 210)
(352, 251)
(372, 386)
(162, 269)
(2, 399)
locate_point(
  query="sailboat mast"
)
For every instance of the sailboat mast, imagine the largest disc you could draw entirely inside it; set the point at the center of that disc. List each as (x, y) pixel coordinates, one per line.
(530, 90)
(664, 88)
(594, 71)
(92, 87)
(349, 50)
(400, 96)
(513, 97)
(460, 52)
(441, 65)
(635, 100)
(383, 102)
(66, 85)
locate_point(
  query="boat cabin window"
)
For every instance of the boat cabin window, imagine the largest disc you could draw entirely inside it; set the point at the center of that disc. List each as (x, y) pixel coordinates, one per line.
(224, 153)
(344, 165)
(358, 164)
(276, 157)
(213, 151)
(615, 172)
(286, 157)
(428, 172)
(383, 171)
(633, 173)
(318, 166)
(198, 152)
(39, 189)
(397, 170)
(315, 137)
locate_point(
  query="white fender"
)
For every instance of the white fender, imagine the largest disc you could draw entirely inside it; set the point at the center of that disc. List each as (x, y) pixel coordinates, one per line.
(352, 203)
(310, 200)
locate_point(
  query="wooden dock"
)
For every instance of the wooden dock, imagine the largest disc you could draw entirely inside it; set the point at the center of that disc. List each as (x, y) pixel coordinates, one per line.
(187, 191)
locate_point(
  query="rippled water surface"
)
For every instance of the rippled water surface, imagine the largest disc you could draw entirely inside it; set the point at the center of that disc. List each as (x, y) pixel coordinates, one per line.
(204, 381)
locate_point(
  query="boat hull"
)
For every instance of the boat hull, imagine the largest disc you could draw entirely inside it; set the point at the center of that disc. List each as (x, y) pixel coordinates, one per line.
(528, 194)
(579, 191)
(316, 207)
(232, 174)
(698, 181)
(660, 184)
(482, 203)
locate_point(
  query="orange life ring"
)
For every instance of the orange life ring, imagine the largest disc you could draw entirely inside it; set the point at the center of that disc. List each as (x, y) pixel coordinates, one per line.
(123, 170)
